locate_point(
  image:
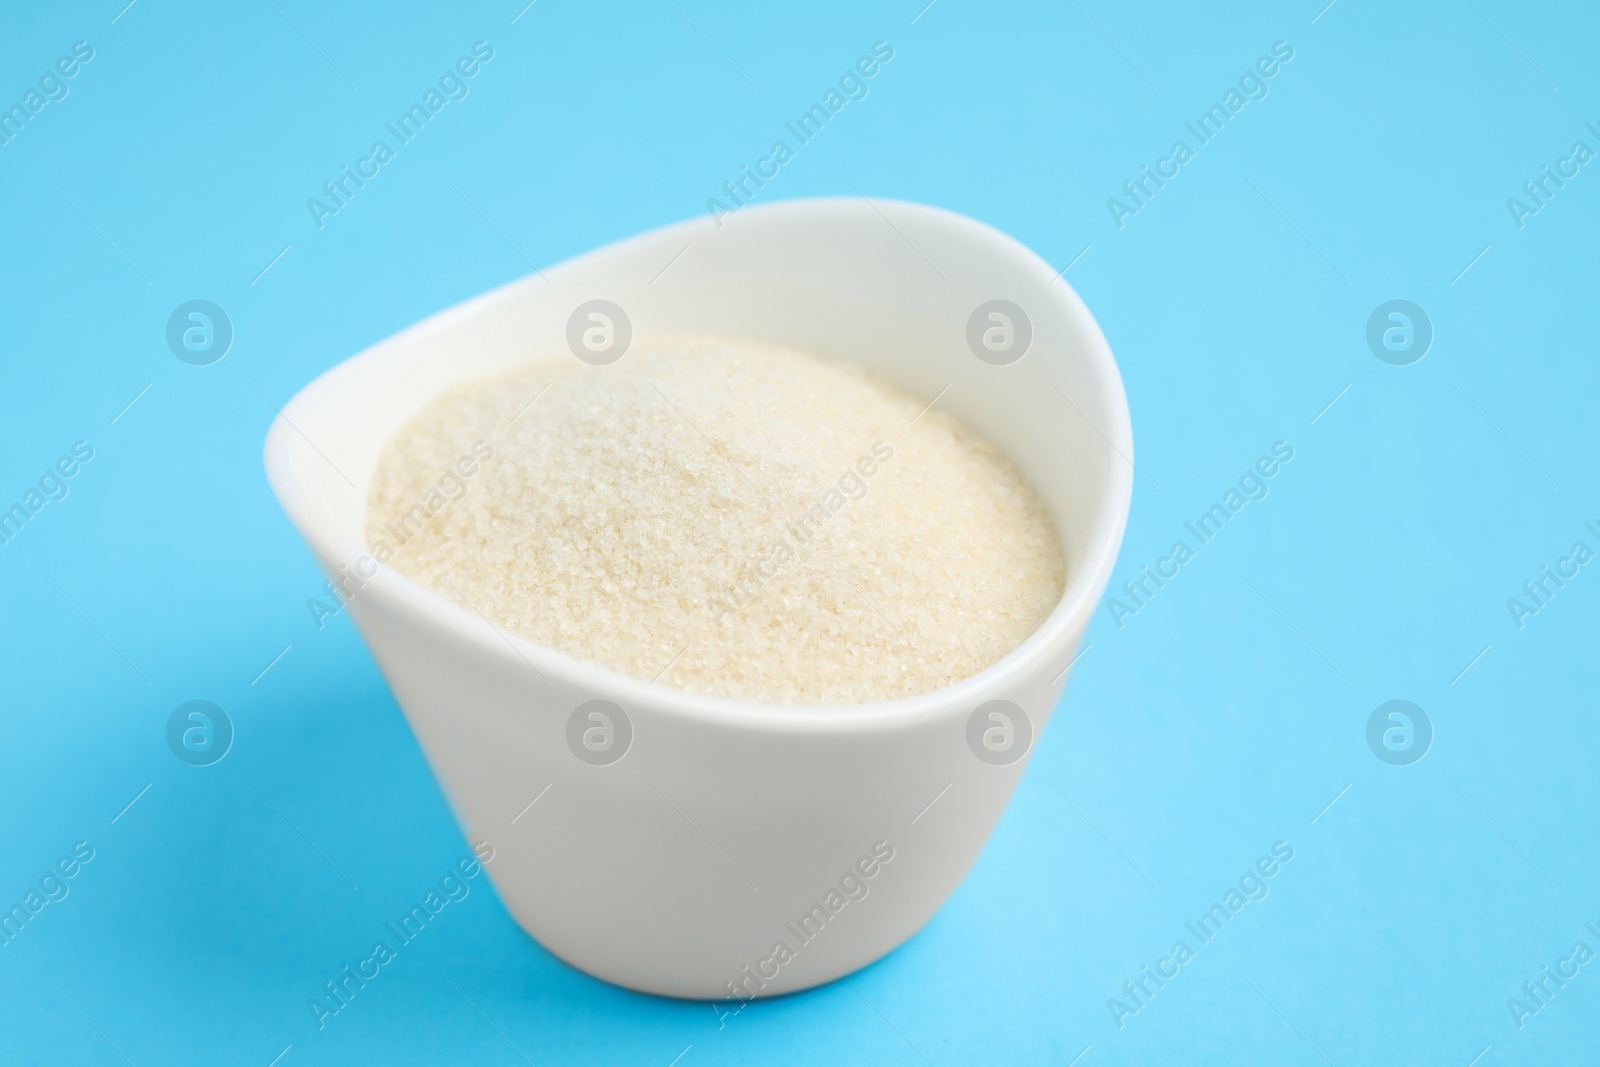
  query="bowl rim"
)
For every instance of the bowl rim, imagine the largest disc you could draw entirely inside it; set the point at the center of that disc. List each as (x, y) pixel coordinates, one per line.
(409, 599)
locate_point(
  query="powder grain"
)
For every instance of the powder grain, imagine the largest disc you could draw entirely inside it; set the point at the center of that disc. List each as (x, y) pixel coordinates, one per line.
(722, 516)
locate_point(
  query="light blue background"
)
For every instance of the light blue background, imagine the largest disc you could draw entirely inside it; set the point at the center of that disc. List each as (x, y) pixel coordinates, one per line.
(1219, 720)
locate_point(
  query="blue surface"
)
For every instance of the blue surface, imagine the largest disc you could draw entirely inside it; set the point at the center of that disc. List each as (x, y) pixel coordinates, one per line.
(1228, 714)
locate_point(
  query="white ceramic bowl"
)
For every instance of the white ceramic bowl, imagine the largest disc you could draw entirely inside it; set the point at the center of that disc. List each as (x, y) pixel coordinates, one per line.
(681, 867)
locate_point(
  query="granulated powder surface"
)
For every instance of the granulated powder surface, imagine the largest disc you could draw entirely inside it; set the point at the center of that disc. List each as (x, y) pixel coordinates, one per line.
(723, 516)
